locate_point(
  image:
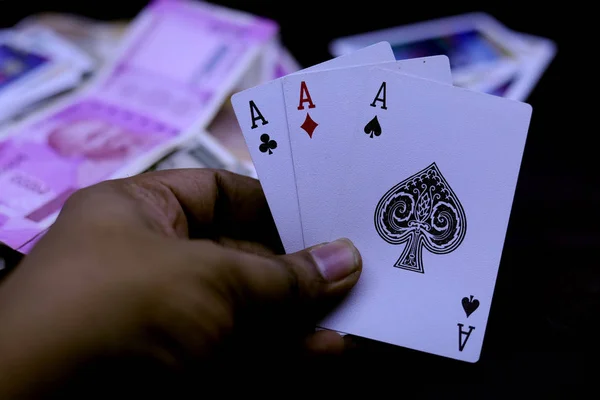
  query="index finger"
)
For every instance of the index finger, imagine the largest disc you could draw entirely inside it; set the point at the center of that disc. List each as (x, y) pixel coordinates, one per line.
(214, 203)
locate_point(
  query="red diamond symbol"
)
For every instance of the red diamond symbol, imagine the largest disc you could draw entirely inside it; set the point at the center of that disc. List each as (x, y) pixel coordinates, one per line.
(309, 125)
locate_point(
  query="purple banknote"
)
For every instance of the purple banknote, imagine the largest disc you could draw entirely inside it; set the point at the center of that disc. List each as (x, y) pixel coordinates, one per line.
(80, 145)
(182, 59)
(177, 64)
(17, 232)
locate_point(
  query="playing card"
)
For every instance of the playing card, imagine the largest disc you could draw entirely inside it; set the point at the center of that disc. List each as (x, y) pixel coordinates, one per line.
(427, 206)
(481, 54)
(47, 42)
(20, 69)
(63, 68)
(536, 53)
(16, 63)
(320, 114)
(260, 112)
(60, 77)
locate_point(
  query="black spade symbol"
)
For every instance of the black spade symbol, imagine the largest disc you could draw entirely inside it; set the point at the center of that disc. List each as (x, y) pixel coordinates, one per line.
(267, 145)
(424, 212)
(373, 127)
(470, 305)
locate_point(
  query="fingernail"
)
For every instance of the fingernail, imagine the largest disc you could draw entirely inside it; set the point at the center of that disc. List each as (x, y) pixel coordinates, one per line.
(335, 260)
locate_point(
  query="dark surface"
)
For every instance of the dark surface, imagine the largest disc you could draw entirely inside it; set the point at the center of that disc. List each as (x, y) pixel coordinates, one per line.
(543, 331)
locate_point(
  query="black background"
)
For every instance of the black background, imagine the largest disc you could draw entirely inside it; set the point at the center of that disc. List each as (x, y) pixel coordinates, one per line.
(542, 334)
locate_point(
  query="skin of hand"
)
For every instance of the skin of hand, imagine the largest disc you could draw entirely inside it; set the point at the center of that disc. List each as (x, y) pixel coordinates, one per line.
(161, 281)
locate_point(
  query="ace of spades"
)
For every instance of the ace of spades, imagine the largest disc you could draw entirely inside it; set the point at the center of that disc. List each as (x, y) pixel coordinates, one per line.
(427, 206)
(320, 110)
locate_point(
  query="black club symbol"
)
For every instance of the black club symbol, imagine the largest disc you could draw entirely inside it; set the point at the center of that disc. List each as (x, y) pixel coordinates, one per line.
(267, 145)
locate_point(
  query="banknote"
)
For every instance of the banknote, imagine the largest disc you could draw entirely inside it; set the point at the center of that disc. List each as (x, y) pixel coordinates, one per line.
(203, 151)
(222, 145)
(75, 147)
(17, 232)
(225, 130)
(286, 63)
(191, 89)
(155, 96)
(277, 62)
(99, 39)
(21, 233)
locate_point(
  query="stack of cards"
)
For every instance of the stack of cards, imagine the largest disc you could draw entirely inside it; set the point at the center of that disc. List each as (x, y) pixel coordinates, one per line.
(36, 64)
(418, 173)
(484, 54)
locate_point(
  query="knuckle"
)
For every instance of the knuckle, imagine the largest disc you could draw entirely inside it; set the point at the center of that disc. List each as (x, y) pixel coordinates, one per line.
(293, 279)
(80, 202)
(88, 194)
(77, 197)
(96, 205)
(301, 274)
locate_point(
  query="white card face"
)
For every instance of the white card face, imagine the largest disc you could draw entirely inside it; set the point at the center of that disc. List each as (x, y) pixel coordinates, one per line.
(435, 68)
(260, 111)
(320, 117)
(427, 206)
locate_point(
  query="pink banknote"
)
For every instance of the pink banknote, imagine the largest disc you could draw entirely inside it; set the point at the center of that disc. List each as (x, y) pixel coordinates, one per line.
(181, 59)
(80, 145)
(177, 64)
(17, 232)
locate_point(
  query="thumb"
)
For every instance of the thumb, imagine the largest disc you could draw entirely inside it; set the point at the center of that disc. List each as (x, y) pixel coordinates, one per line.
(275, 301)
(323, 271)
(327, 269)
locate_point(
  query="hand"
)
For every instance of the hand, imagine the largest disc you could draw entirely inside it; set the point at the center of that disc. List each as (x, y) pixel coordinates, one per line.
(172, 271)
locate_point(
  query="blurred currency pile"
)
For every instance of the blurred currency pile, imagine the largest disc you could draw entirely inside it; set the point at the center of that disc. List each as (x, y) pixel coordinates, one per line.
(84, 101)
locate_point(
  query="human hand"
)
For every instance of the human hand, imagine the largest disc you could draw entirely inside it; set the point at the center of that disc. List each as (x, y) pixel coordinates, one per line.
(174, 269)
